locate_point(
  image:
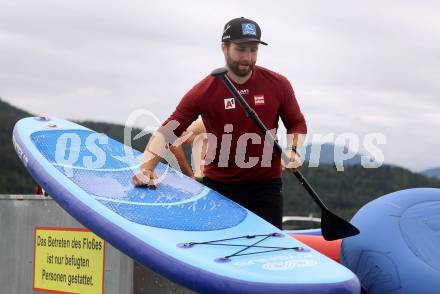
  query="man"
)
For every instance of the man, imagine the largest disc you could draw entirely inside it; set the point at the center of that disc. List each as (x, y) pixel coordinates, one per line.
(241, 164)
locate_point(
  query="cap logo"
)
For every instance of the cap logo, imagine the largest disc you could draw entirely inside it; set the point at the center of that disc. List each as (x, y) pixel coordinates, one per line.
(227, 28)
(249, 29)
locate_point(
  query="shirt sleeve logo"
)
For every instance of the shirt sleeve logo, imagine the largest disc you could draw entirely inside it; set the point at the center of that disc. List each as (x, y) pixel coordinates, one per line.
(229, 103)
(259, 99)
(249, 29)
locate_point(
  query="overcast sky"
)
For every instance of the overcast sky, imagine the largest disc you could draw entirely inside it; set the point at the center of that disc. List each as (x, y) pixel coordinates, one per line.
(356, 66)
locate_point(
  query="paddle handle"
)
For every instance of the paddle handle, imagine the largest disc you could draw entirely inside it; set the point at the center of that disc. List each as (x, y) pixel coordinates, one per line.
(221, 73)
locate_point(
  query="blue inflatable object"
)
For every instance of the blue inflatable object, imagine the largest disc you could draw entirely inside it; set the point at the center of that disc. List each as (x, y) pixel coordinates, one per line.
(398, 248)
(182, 230)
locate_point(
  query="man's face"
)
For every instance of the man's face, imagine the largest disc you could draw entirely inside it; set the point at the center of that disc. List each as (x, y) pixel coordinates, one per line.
(241, 58)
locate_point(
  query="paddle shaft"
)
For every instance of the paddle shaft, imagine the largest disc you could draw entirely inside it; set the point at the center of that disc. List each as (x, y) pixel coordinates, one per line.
(253, 115)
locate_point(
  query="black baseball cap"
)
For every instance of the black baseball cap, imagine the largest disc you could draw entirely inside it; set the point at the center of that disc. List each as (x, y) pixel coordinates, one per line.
(242, 30)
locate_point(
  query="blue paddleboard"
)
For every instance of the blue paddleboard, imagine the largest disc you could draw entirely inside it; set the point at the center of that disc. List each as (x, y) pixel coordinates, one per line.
(182, 230)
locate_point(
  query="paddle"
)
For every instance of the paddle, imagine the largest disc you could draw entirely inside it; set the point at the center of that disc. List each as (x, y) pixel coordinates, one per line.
(332, 226)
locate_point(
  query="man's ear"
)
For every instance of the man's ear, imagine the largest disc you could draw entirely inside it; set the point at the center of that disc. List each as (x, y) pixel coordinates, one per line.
(224, 47)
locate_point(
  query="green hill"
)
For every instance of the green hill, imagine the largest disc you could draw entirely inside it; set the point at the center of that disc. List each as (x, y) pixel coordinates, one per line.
(432, 172)
(344, 192)
(13, 176)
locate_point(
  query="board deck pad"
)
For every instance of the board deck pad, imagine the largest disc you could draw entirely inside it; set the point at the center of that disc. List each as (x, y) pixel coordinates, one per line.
(111, 185)
(182, 230)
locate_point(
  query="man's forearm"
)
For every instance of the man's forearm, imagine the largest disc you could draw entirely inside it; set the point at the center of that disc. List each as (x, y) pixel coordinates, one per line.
(153, 152)
(181, 160)
(295, 140)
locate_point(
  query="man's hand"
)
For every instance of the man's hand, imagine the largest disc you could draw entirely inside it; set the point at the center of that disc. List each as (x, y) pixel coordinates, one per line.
(295, 161)
(145, 177)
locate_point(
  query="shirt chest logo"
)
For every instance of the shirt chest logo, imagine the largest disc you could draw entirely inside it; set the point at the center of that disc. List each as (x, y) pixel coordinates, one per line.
(243, 91)
(229, 103)
(259, 99)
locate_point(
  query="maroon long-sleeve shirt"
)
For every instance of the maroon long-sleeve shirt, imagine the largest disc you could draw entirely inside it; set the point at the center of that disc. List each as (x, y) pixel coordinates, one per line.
(239, 154)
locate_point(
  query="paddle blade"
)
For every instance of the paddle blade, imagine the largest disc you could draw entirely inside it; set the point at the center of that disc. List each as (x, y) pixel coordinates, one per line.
(333, 227)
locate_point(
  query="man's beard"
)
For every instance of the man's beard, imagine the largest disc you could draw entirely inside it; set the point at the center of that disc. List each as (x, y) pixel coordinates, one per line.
(234, 66)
